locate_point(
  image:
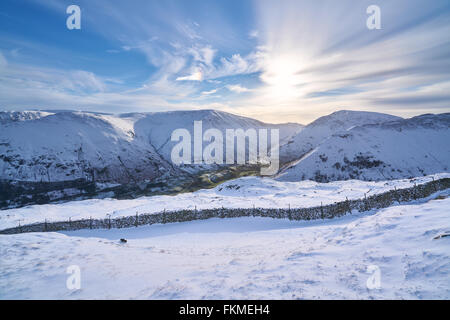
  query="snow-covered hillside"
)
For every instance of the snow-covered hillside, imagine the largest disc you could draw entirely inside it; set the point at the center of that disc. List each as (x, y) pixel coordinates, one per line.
(41, 149)
(158, 127)
(391, 150)
(6, 117)
(321, 129)
(243, 258)
(76, 145)
(245, 192)
(44, 146)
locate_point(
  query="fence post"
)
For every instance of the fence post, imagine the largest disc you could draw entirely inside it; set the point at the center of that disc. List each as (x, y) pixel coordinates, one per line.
(396, 197)
(321, 211)
(137, 219)
(45, 225)
(348, 205)
(20, 227)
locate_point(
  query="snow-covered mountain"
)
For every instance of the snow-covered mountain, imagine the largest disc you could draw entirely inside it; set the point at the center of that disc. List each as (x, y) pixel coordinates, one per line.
(62, 146)
(67, 146)
(75, 145)
(390, 150)
(158, 127)
(6, 117)
(319, 130)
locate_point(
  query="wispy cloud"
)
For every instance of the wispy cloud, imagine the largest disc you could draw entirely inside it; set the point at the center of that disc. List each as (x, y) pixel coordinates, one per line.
(300, 58)
(3, 62)
(237, 88)
(209, 92)
(196, 76)
(315, 61)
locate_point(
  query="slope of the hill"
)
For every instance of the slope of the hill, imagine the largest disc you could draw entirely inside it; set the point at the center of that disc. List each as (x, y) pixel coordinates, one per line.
(390, 150)
(395, 253)
(245, 192)
(63, 146)
(321, 129)
(75, 145)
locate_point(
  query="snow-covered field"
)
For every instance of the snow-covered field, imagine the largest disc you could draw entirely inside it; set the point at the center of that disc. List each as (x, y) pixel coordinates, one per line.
(240, 193)
(243, 258)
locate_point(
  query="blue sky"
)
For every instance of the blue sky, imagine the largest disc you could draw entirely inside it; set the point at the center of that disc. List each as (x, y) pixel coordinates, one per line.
(277, 61)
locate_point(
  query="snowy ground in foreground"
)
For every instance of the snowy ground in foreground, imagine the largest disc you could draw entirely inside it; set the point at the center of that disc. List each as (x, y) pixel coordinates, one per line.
(243, 258)
(239, 193)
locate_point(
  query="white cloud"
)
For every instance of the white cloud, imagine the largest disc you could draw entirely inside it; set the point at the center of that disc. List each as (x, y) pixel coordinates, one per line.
(189, 30)
(310, 66)
(253, 34)
(237, 88)
(203, 55)
(203, 66)
(3, 61)
(238, 65)
(205, 93)
(196, 76)
(84, 80)
(310, 60)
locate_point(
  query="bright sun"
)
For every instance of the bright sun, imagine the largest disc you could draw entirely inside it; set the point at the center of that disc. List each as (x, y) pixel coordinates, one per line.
(282, 78)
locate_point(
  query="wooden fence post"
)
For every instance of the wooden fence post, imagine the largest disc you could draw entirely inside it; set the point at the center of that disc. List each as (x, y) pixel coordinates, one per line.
(348, 205)
(20, 227)
(321, 211)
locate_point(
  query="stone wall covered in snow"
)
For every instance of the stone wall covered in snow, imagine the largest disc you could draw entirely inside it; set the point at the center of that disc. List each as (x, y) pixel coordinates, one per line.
(337, 209)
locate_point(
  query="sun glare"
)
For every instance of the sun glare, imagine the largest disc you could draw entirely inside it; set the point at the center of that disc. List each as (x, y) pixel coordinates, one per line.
(282, 78)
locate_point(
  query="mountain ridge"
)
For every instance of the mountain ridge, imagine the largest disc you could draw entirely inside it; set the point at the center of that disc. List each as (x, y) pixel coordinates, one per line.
(38, 146)
(396, 149)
